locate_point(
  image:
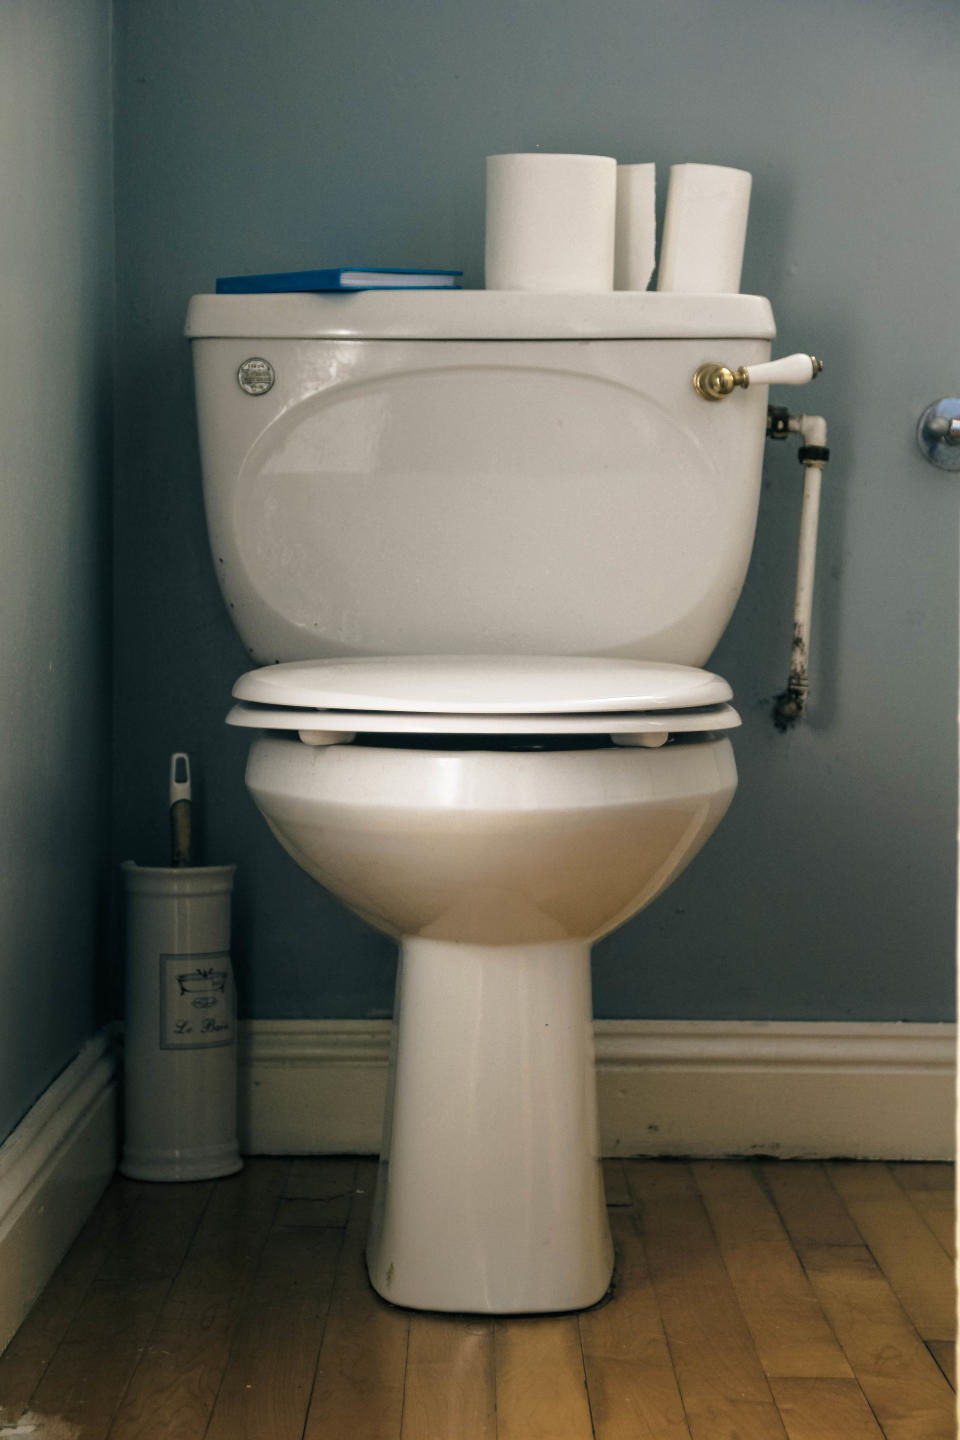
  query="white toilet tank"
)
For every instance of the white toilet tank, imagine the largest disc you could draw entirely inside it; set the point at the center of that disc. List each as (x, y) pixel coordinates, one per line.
(478, 471)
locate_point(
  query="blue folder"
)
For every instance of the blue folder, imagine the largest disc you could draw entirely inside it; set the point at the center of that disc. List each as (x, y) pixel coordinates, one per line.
(351, 278)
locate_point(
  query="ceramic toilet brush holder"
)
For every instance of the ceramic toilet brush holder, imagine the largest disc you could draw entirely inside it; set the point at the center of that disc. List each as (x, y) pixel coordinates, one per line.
(180, 1064)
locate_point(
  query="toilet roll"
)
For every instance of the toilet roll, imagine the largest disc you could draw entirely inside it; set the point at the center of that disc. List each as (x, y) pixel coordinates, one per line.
(704, 229)
(551, 222)
(636, 243)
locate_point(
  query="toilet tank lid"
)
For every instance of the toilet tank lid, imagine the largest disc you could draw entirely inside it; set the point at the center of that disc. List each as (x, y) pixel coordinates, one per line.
(479, 315)
(483, 685)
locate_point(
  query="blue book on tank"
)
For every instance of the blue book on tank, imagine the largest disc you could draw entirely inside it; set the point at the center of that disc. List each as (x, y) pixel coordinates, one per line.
(353, 278)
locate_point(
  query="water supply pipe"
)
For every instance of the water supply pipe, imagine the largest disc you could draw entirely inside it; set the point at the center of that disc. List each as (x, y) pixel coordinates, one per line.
(813, 455)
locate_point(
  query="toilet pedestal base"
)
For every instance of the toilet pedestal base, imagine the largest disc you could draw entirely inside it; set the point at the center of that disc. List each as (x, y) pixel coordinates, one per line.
(490, 1194)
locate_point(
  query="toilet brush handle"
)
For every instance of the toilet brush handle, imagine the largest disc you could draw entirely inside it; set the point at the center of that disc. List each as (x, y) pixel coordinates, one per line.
(181, 799)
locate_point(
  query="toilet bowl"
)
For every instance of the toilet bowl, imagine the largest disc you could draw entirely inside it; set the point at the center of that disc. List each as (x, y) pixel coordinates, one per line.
(480, 546)
(500, 846)
(496, 859)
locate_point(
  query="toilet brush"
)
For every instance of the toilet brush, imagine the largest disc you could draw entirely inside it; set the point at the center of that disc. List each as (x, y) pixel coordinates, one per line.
(180, 1051)
(180, 804)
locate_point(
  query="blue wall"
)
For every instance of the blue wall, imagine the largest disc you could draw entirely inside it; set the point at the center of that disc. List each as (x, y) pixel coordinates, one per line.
(56, 336)
(255, 137)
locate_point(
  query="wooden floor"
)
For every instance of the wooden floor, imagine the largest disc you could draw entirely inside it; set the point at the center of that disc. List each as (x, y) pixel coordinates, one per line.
(753, 1301)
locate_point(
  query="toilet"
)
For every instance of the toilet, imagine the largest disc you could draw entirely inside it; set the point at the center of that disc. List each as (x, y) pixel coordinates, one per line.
(479, 546)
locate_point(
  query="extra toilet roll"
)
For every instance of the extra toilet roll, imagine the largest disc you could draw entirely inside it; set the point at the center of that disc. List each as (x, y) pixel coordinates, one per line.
(704, 229)
(636, 243)
(551, 222)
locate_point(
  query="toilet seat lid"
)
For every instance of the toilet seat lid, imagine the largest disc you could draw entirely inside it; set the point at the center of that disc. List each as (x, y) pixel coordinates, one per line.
(483, 685)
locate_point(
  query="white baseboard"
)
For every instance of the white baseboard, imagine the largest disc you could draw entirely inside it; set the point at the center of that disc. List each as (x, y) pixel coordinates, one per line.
(792, 1089)
(53, 1169)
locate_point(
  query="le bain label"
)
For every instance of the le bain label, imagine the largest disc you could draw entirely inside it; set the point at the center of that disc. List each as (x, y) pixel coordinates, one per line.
(197, 1001)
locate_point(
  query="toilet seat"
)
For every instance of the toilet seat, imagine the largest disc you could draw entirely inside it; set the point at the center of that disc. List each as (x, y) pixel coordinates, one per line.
(483, 684)
(483, 695)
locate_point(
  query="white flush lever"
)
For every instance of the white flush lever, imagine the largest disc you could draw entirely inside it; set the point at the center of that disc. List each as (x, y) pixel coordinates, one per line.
(713, 381)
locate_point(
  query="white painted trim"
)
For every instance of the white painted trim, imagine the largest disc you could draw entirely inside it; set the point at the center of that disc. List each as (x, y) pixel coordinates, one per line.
(312, 1087)
(865, 1090)
(788, 1088)
(53, 1169)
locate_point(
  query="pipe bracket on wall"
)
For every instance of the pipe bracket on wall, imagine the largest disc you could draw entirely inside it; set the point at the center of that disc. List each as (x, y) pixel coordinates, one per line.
(938, 434)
